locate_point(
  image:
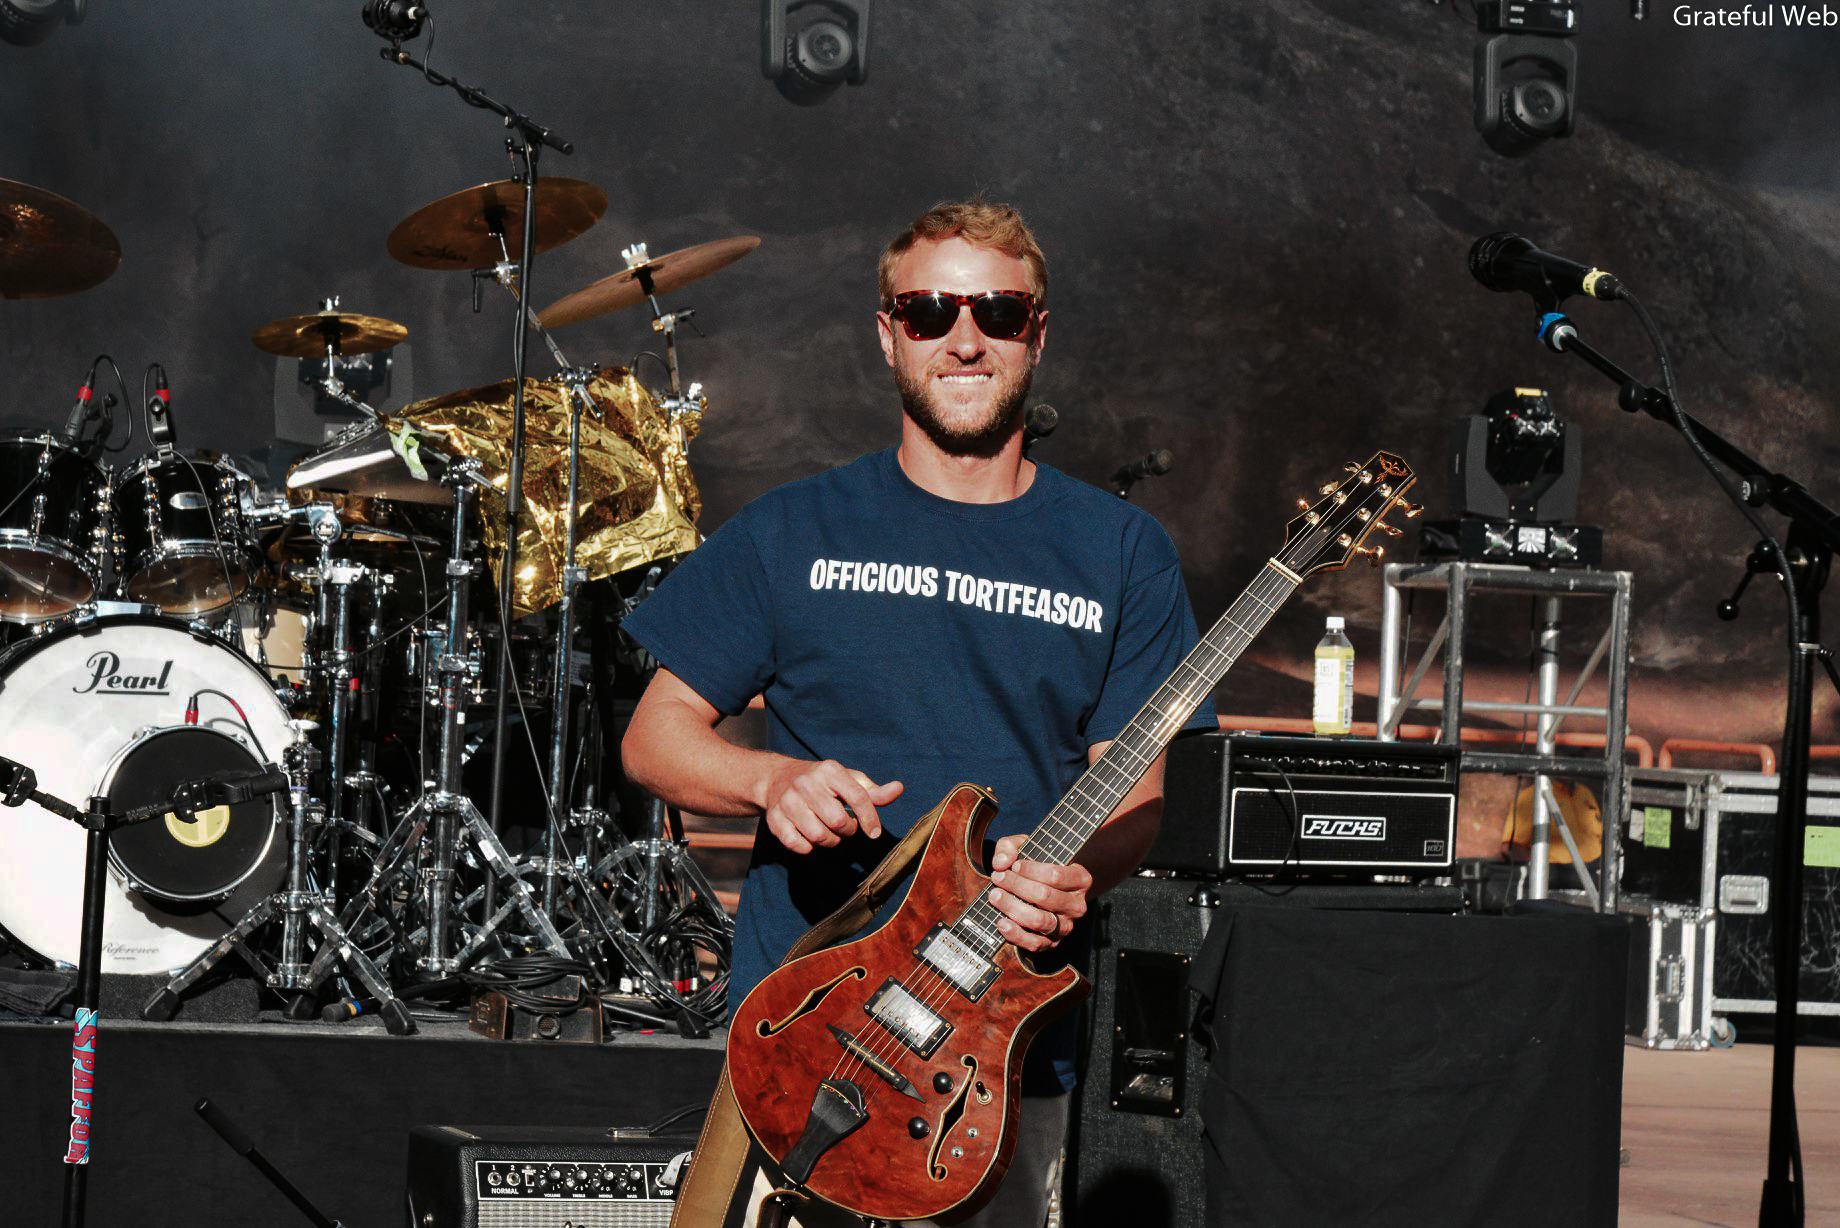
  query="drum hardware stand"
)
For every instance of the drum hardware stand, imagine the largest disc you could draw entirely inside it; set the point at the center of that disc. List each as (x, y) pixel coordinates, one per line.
(443, 812)
(18, 785)
(299, 906)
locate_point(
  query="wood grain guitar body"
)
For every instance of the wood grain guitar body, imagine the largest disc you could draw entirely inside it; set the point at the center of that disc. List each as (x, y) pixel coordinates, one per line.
(908, 1042)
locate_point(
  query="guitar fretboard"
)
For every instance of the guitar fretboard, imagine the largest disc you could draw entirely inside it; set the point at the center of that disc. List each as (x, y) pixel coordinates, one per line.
(1074, 819)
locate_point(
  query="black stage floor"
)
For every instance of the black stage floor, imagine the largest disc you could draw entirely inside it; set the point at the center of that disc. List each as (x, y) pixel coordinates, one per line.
(331, 1105)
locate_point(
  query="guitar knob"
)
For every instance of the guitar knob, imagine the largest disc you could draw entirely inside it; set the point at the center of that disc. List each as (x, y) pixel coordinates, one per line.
(917, 1127)
(942, 1083)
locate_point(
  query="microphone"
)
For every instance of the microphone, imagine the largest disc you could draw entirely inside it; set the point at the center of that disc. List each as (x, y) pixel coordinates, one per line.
(225, 789)
(159, 410)
(1156, 464)
(395, 20)
(79, 413)
(1039, 423)
(1507, 262)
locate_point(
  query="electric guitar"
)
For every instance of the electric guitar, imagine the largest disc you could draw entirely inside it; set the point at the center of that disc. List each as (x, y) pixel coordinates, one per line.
(883, 1075)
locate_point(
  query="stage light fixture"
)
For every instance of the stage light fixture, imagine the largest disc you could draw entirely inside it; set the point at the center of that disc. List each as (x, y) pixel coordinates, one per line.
(1515, 472)
(1526, 74)
(26, 23)
(810, 47)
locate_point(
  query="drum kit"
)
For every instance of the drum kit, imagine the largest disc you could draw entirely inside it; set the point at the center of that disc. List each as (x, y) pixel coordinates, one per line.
(370, 629)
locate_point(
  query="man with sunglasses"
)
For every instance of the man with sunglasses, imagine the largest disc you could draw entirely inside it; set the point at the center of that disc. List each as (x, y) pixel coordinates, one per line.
(946, 610)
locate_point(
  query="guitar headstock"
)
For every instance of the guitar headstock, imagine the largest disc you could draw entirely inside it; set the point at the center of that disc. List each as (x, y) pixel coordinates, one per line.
(1332, 530)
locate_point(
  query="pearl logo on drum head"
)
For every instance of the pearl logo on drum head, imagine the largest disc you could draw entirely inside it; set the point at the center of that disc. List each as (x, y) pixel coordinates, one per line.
(106, 677)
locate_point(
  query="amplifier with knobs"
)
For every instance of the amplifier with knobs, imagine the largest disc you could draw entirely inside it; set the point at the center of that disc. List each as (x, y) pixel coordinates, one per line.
(543, 1177)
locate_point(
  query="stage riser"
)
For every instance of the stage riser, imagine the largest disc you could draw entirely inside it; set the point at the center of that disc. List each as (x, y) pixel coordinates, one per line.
(331, 1108)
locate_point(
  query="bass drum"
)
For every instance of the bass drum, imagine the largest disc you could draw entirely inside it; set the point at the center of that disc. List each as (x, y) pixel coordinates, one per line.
(101, 709)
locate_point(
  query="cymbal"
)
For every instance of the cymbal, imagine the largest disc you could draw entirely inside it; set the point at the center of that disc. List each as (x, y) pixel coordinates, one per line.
(50, 246)
(462, 231)
(668, 273)
(307, 336)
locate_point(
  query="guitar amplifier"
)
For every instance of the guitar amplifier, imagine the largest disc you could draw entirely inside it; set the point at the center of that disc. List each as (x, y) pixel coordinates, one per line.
(543, 1177)
(1244, 804)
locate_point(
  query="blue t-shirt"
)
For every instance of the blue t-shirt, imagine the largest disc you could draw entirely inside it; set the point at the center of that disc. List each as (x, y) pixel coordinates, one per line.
(919, 639)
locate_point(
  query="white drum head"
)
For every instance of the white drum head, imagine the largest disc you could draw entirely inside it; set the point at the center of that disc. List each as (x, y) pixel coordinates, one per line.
(71, 705)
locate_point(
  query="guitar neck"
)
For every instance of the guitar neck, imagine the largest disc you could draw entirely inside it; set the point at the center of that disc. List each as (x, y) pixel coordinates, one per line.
(1075, 818)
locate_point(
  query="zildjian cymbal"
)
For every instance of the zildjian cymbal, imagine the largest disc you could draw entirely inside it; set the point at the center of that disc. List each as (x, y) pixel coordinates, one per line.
(626, 288)
(308, 336)
(50, 246)
(477, 227)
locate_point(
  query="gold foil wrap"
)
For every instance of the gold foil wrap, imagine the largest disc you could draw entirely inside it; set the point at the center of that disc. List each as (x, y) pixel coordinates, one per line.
(636, 501)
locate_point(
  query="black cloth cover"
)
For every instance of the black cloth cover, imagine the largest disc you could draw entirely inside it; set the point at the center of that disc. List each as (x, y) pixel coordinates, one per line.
(1379, 1068)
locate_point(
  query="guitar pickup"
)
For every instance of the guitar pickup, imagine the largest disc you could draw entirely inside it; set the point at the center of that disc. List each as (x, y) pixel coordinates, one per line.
(895, 1008)
(968, 970)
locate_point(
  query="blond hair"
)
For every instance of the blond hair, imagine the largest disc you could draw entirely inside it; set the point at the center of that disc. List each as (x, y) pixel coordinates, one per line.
(981, 222)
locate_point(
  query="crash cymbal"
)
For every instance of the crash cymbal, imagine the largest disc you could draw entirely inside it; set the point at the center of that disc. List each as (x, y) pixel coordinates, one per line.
(624, 289)
(462, 231)
(308, 336)
(50, 246)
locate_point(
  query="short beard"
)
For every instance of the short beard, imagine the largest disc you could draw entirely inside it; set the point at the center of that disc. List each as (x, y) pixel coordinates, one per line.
(983, 438)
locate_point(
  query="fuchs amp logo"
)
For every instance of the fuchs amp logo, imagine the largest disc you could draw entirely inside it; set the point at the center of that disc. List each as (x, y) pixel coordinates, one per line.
(1335, 827)
(106, 677)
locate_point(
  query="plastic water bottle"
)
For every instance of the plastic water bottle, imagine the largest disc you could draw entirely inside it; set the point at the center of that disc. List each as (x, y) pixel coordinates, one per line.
(1333, 712)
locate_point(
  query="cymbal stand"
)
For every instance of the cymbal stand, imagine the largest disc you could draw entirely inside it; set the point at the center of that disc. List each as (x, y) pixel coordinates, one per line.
(443, 813)
(679, 404)
(301, 905)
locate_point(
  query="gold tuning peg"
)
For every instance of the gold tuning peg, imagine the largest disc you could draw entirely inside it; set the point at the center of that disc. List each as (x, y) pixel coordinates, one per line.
(1352, 467)
(1386, 528)
(1412, 510)
(1304, 504)
(1328, 488)
(1373, 554)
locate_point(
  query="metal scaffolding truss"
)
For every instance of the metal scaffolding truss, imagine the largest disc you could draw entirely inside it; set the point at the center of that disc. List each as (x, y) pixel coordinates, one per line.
(1460, 581)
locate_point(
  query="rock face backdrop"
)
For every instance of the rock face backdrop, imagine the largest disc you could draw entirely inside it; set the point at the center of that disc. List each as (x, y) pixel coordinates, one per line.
(1256, 216)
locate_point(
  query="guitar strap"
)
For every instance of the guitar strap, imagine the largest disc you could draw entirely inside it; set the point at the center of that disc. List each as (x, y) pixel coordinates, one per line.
(716, 1167)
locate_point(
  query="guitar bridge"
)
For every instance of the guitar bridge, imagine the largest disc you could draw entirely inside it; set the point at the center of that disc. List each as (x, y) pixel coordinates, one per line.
(895, 1008)
(967, 969)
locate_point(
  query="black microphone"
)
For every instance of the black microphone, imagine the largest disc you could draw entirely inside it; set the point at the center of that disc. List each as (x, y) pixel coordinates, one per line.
(1508, 262)
(1156, 464)
(1039, 423)
(395, 20)
(159, 410)
(79, 413)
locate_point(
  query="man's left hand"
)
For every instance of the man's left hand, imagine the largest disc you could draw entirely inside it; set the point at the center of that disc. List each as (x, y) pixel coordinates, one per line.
(1039, 901)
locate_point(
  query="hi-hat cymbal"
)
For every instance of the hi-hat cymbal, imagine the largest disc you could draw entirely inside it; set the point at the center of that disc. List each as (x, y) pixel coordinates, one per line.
(624, 289)
(308, 336)
(50, 246)
(463, 231)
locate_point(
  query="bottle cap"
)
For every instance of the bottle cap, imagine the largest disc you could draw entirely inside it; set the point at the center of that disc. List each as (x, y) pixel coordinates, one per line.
(1334, 624)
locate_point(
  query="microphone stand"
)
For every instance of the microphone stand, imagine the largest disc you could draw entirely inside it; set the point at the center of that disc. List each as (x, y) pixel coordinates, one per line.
(1814, 536)
(18, 785)
(531, 137)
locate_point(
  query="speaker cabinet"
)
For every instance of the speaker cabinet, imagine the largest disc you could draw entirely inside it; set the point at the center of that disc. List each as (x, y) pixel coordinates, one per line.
(1135, 1151)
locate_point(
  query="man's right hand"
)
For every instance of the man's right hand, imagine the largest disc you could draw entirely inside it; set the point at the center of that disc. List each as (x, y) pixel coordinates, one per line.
(817, 804)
